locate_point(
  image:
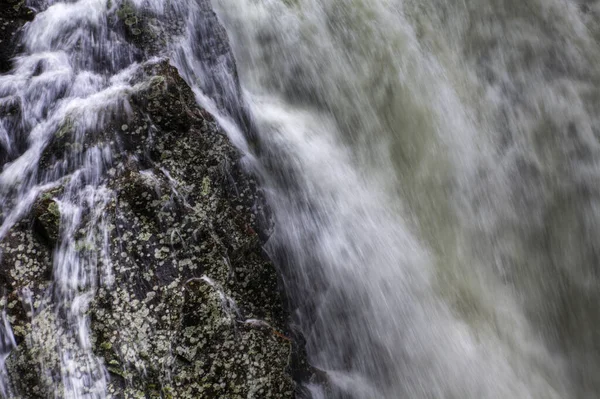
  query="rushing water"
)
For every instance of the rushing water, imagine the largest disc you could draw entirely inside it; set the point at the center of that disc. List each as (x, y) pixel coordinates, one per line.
(70, 76)
(432, 169)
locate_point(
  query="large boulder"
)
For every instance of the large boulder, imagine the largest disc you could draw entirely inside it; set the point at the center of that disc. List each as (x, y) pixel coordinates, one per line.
(187, 304)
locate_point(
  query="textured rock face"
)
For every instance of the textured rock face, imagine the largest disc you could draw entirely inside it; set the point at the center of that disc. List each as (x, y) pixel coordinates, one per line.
(13, 14)
(182, 210)
(187, 305)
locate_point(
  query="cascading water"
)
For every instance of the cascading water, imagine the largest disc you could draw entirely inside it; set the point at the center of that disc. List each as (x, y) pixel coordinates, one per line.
(430, 166)
(66, 81)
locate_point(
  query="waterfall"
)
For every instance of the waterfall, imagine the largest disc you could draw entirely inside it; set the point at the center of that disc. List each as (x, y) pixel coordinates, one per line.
(65, 82)
(430, 169)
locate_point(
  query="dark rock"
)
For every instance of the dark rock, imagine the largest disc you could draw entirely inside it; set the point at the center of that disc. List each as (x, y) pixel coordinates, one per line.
(182, 210)
(13, 15)
(25, 274)
(178, 221)
(184, 269)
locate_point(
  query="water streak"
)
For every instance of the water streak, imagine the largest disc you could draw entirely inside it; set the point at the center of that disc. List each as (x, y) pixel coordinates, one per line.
(69, 81)
(431, 168)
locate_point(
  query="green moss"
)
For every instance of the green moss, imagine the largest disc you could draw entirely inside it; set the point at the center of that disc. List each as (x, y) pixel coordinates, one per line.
(131, 21)
(106, 345)
(168, 392)
(66, 127)
(119, 372)
(205, 186)
(47, 213)
(125, 10)
(54, 209)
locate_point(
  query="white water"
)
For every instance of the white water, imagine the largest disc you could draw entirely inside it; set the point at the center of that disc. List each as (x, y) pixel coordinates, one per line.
(432, 170)
(70, 79)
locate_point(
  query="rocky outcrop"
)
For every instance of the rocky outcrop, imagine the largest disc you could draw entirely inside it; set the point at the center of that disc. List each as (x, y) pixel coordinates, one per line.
(13, 15)
(188, 305)
(193, 308)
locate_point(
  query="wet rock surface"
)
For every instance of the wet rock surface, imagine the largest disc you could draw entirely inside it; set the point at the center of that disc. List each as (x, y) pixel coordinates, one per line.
(13, 15)
(183, 211)
(187, 304)
(191, 308)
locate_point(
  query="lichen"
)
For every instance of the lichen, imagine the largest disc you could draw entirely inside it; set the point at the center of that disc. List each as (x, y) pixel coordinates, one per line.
(159, 330)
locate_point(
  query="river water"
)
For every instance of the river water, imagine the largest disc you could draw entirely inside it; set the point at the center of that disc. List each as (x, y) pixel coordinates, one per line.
(432, 169)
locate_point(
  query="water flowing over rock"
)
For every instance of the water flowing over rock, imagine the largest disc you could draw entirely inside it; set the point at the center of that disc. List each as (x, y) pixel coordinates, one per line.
(130, 259)
(13, 15)
(422, 174)
(438, 159)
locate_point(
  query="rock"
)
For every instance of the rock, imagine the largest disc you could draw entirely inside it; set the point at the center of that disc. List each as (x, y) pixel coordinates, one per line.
(144, 28)
(46, 216)
(188, 304)
(13, 15)
(25, 273)
(181, 211)
(159, 320)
